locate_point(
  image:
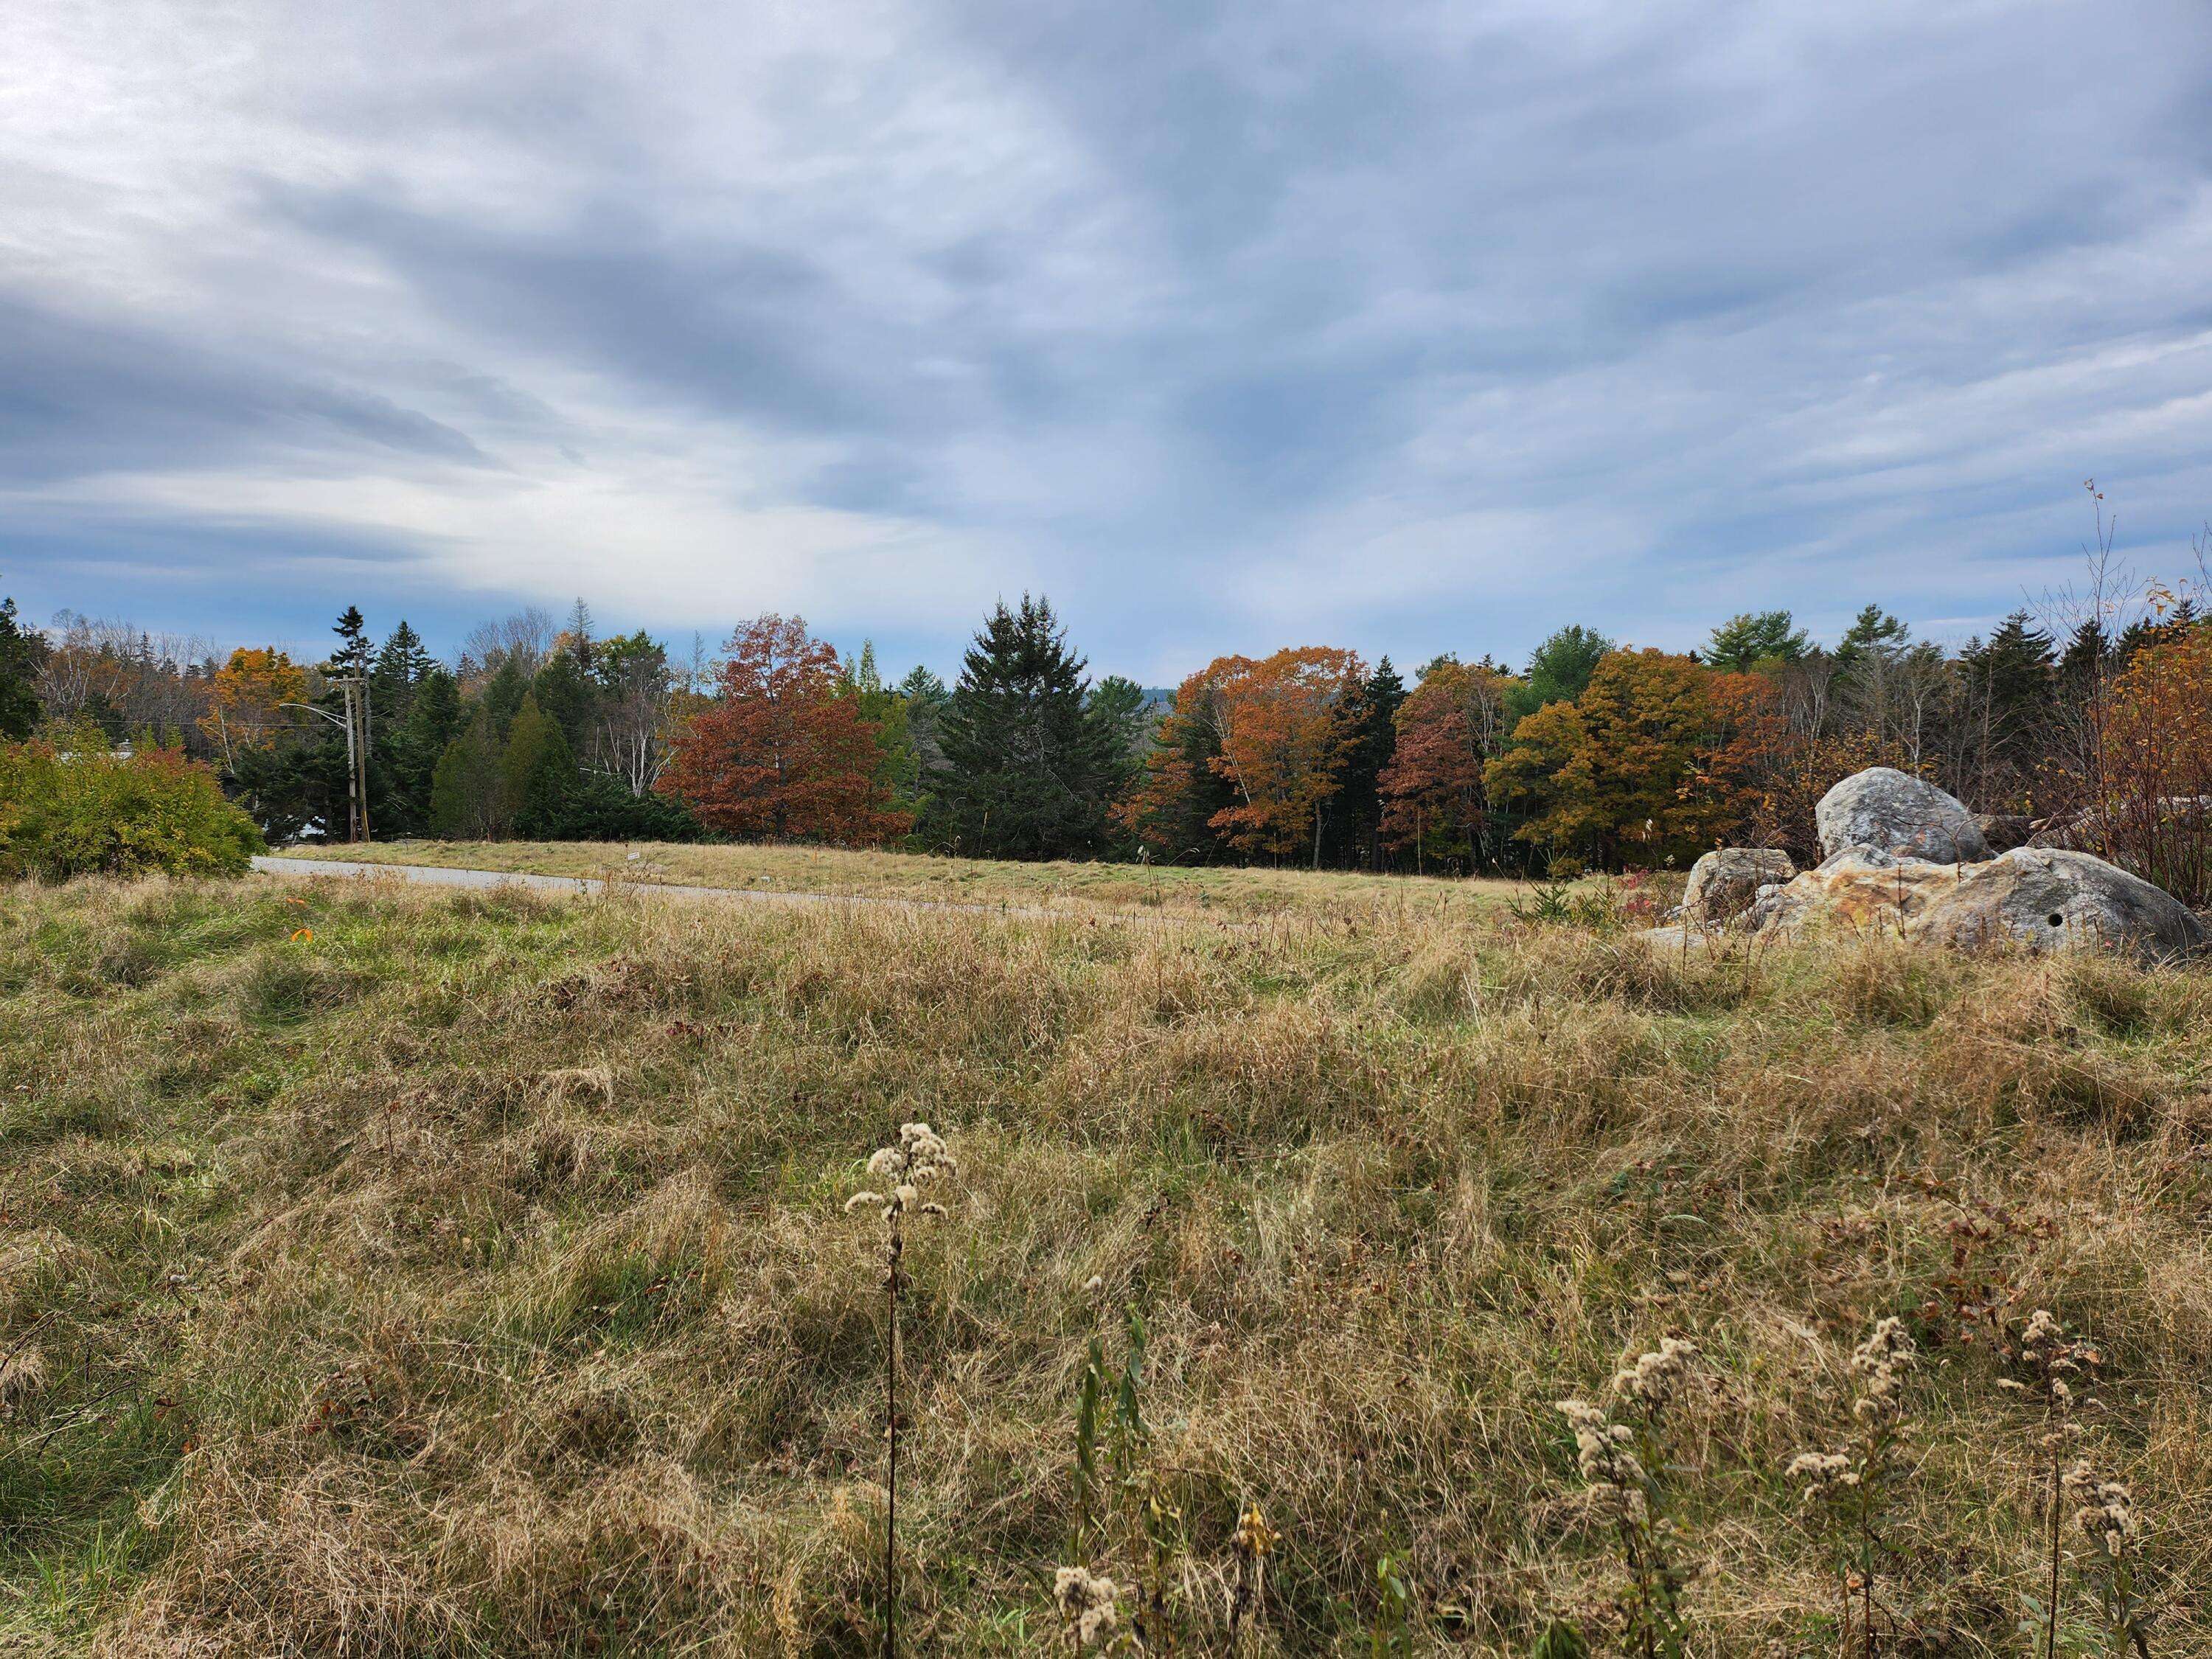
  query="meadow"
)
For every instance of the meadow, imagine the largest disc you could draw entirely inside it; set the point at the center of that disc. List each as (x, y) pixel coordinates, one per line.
(393, 1272)
(1235, 890)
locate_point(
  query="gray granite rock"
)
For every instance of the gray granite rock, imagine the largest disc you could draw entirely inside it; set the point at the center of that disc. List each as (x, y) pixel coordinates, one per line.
(1893, 811)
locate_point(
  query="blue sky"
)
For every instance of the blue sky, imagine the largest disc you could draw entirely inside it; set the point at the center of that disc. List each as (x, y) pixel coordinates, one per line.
(1409, 327)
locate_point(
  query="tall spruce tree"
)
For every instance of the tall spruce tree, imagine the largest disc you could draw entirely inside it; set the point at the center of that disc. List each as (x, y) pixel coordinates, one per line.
(2011, 684)
(567, 694)
(20, 655)
(1030, 765)
(2089, 654)
(434, 720)
(401, 663)
(1356, 809)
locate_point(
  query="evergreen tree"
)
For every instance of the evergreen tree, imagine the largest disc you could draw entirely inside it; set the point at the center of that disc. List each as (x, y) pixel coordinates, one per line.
(567, 696)
(1125, 709)
(898, 770)
(1874, 631)
(401, 664)
(1030, 765)
(2011, 683)
(2087, 654)
(503, 693)
(576, 636)
(1742, 642)
(353, 655)
(1561, 668)
(465, 793)
(434, 720)
(537, 771)
(22, 653)
(1356, 807)
(924, 696)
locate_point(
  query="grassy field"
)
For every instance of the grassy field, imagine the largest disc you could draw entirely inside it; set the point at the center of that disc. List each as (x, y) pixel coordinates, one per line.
(1176, 888)
(392, 1272)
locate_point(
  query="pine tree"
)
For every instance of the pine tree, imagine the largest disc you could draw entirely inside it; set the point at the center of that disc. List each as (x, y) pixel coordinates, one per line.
(899, 768)
(2088, 655)
(503, 693)
(1031, 766)
(353, 655)
(1742, 642)
(1125, 709)
(22, 653)
(1561, 668)
(1874, 631)
(576, 634)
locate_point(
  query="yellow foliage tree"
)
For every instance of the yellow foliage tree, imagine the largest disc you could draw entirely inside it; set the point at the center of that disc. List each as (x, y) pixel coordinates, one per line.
(245, 699)
(1616, 774)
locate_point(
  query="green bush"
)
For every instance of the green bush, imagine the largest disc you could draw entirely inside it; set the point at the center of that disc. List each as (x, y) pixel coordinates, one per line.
(72, 808)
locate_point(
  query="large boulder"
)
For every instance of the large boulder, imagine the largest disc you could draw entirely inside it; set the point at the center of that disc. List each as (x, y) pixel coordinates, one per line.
(2054, 899)
(1724, 882)
(2045, 899)
(1861, 890)
(1893, 811)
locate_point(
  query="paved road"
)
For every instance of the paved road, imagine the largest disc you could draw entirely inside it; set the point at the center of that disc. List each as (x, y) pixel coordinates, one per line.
(434, 875)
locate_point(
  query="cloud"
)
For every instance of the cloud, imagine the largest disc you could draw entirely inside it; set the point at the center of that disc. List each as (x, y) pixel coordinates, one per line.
(1415, 328)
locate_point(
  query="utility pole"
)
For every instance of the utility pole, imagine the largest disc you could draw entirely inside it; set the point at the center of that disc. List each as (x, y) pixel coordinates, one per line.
(356, 730)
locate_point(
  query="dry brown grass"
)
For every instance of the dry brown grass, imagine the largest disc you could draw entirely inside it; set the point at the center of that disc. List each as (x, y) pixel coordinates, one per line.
(1177, 889)
(473, 1279)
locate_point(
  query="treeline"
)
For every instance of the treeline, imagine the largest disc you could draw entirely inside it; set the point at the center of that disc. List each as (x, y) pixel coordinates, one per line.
(1588, 754)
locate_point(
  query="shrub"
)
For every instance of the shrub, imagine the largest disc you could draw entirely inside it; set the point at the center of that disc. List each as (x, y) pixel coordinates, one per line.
(2155, 755)
(72, 808)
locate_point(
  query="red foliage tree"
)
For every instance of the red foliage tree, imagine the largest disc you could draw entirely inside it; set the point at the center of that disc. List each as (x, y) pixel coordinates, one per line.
(1433, 799)
(779, 752)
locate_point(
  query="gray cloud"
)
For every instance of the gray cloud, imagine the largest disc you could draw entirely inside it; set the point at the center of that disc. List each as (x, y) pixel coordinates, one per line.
(1423, 327)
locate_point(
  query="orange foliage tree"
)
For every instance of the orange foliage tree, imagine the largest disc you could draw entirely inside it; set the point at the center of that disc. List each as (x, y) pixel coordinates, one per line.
(1284, 726)
(2154, 758)
(1762, 774)
(1626, 772)
(779, 752)
(245, 698)
(1449, 727)
(1173, 805)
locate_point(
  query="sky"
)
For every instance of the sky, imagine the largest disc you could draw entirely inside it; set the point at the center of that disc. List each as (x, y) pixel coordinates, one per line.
(1410, 327)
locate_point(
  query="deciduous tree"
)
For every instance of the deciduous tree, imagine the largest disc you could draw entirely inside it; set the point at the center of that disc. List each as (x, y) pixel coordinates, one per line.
(1612, 776)
(780, 752)
(1285, 723)
(1451, 726)
(2156, 818)
(245, 699)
